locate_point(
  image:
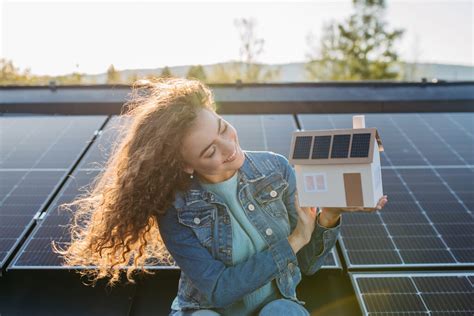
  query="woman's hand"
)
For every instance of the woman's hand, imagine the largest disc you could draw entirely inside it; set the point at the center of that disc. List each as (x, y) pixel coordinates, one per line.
(305, 225)
(330, 215)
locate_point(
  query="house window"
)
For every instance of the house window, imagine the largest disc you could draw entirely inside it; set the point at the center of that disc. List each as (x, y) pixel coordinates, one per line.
(315, 182)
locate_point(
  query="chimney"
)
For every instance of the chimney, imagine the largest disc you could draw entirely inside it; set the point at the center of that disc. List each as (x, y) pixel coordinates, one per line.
(358, 121)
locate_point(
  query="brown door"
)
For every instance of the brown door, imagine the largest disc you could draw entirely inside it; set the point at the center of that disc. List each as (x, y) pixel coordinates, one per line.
(353, 187)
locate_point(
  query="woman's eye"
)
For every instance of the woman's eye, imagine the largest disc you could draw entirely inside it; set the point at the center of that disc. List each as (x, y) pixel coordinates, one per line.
(223, 131)
(211, 154)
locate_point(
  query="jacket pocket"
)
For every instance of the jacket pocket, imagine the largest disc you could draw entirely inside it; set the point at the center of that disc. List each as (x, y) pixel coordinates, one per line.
(269, 193)
(201, 221)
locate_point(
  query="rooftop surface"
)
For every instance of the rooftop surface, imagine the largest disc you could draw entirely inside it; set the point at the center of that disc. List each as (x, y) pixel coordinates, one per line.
(415, 255)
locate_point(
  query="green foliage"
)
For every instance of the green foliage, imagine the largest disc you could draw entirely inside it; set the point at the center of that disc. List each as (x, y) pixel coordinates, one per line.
(113, 76)
(11, 75)
(360, 48)
(196, 72)
(166, 72)
(247, 69)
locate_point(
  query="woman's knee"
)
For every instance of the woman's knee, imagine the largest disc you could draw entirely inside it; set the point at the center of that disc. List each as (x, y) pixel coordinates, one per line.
(283, 307)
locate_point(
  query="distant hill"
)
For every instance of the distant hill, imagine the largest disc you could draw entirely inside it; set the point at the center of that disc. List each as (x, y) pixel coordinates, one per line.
(294, 72)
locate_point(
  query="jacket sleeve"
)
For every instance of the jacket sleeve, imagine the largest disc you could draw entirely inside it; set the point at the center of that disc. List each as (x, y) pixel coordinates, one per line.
(313, 255)
(221, 284)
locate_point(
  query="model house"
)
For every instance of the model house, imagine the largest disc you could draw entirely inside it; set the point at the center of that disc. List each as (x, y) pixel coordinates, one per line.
(338, 167)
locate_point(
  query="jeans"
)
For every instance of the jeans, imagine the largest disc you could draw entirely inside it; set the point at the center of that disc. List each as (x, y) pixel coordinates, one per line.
(277, 307)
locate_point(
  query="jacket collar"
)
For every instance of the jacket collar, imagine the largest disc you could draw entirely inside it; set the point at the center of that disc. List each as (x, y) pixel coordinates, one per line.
(249, 171)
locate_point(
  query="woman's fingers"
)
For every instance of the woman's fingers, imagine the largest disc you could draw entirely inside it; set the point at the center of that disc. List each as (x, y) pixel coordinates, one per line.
(380, 204)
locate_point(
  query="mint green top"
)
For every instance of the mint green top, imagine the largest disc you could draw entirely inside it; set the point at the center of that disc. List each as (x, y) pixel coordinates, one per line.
(246, 241)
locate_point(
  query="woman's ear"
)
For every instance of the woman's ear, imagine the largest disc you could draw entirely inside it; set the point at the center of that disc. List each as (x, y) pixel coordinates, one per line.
(188, 169)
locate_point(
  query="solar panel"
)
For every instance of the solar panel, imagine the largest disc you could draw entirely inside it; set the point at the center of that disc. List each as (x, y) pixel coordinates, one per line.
(302, 147)
(99, 152)
(45, 142)
(264, 132)
(340, 146)
(428, 220)
(425, 223)
(411, 139)
(360, 145)
(427, 293)
(35, 156)
(24, 194)
(321, 147)
(36, 252)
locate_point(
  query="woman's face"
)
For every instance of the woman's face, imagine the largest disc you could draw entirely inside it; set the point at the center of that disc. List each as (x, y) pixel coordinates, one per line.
(208, 147)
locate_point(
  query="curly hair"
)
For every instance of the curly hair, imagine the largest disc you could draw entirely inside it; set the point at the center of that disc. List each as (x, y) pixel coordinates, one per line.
(114, 224)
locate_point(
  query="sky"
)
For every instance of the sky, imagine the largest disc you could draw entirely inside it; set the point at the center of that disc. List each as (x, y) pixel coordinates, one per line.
(59, 37)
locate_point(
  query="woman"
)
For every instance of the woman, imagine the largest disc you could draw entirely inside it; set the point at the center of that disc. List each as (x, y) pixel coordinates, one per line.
(179, 181)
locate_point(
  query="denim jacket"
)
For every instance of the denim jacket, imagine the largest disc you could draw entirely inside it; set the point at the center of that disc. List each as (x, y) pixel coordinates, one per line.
(196, 231)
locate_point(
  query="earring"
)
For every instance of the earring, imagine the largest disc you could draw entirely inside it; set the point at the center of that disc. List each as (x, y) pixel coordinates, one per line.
(191, 176)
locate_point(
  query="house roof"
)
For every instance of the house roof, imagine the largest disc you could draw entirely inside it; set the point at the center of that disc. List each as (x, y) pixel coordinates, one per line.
(334, 146)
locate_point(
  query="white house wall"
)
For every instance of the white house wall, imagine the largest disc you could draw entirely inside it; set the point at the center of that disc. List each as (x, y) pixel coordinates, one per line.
(335, 195)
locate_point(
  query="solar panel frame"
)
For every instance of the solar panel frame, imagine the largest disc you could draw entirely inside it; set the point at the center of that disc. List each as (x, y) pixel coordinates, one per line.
(452, 130)
(321, 147)
(411, 282)
(302, 148)
(441, 224)
(360, 145)
(340, 146)
(30, 219)
(83, 128)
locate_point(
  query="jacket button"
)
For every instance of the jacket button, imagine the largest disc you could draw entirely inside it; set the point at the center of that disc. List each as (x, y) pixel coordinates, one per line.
(269, 231)
(251, 207)
(291, 266)
(273, 193)
(197, 220)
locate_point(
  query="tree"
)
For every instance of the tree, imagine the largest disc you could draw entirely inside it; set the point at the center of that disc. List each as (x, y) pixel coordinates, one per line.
(113, 76)
(9, 74)
(132, 78)
(247, 69)
(360, 48)
(196, 72)
(166, 72)
(250, 49)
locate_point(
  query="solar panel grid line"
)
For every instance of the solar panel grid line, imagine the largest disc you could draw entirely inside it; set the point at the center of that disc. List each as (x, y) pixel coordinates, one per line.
(52, 144)
(340, 145)
(413, 293)
(423, 211)
(448, 224)
(424, 214)
(29, 218)
(26, 196)
(433, 169)
(321, 147)
(441, 139)
(460, 126)
(5, 157)
(264, 134)
(360, 145)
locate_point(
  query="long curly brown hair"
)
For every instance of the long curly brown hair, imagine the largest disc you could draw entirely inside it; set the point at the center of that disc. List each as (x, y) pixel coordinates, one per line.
(114, 224)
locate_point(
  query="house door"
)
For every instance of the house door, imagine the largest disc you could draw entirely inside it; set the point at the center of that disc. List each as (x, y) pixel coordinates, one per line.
(353, 188)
